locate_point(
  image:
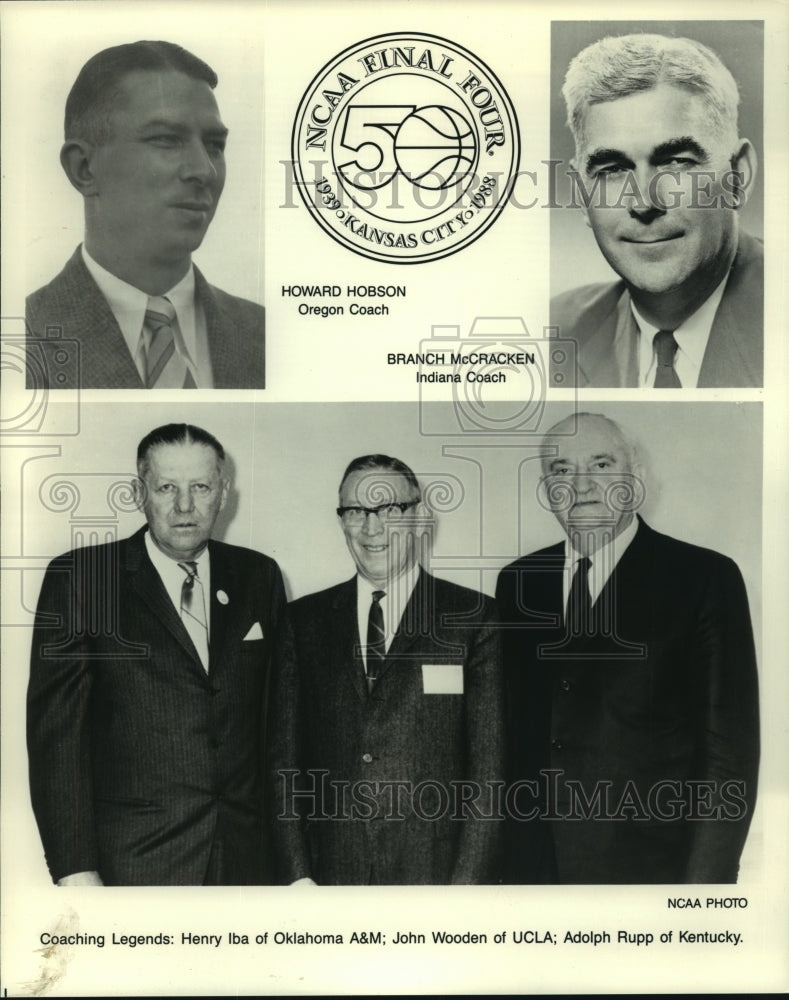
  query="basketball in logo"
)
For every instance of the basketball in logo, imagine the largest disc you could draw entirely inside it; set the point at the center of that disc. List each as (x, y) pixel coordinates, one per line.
(435, 147)
(405, 147)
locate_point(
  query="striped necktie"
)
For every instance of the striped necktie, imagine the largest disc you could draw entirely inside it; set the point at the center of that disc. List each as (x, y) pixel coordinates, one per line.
(376, 639)
(165, 367)
(665, 349)
(193, 610)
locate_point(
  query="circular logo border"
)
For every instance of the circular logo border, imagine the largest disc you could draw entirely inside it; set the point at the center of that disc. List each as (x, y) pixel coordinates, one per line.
(305, 187)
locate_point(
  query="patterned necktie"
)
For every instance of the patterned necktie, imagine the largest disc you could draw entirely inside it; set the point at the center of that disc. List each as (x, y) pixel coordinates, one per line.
(579, 602)
(164, 366)
(376, 639)
(193, 610)
(665, 349)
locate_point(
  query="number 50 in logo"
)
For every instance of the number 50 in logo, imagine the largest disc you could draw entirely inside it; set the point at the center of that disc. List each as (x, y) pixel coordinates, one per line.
(405, 147)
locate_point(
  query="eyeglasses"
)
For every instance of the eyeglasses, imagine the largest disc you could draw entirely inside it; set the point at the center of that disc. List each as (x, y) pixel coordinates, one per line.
(385, 512)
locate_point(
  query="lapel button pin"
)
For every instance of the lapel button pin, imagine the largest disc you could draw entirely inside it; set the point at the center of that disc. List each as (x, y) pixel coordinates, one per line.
(222, 597)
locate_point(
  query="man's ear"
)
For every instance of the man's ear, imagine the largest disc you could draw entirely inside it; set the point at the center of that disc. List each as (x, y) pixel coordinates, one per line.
(639, 473)
(139, 492)
(745, 164)
(574, 167)
(225, 493)
(76, 158)
(423, 512)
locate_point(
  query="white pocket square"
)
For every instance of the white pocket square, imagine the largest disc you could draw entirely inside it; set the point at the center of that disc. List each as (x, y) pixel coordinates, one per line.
(442, 678)
(256, 632)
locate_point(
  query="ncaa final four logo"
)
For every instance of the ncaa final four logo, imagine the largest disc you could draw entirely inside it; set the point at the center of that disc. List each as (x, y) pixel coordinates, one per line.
(405, 147)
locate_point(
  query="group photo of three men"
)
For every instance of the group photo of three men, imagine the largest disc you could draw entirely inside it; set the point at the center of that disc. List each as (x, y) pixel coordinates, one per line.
(589, 715)
(534, 672)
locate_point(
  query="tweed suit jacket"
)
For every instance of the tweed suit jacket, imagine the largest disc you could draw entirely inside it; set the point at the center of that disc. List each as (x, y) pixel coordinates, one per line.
(666, 700)
(71, 309)
(141, 763)
(601, 322)
(329, 734)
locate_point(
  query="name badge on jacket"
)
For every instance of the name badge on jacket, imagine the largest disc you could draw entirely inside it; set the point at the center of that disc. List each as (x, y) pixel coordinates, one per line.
(442, 678)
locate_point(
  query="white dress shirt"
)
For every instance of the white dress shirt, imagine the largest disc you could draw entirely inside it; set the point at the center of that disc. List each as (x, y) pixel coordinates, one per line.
(603, 562)
(398, 594)
(691, 337)
(128, 305)
(172, 576)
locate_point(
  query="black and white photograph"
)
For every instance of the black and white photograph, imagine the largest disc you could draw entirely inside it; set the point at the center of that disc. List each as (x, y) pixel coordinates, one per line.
(657, 145)
(140, 152)
(401, 643)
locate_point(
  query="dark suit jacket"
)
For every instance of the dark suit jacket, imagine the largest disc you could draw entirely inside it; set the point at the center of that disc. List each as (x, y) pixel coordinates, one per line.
(599, 319)
(141, 764)
(74, 306)
(324, 721)
(682, 708)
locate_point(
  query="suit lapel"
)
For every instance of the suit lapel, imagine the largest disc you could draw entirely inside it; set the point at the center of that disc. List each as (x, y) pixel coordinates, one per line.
(105, 359)
(148, 586)
(419, 624)
(623, 594)
(221, 357)
(540, 589)
(734, 354)
(345, 637)
(609, 353)
(224, 611)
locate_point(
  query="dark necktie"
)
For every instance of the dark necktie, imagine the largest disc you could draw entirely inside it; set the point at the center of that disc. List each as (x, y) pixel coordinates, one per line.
(165, 368)
(376, 639)
(665, 349)
(579, 602)
(193, 610)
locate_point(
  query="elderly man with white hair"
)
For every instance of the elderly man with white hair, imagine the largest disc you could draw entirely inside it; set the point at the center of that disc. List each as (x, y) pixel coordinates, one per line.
(632, 685)
(663, 173)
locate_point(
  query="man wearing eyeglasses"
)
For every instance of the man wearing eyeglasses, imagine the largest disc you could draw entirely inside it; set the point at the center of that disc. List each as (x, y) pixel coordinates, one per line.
(387, 739)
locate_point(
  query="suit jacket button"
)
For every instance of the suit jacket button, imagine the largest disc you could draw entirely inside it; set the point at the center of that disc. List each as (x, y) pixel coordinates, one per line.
(565, 685)
(367, 758)
(557, 744)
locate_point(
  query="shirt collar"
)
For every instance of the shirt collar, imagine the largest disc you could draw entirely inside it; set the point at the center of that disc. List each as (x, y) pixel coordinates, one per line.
(398, 591)
(128, 304)
(165, 564)
(607, 555)
(691, 336)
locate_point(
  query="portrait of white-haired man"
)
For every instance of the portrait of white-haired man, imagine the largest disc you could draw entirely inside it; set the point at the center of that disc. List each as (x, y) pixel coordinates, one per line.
(632, 683)
(662, 173)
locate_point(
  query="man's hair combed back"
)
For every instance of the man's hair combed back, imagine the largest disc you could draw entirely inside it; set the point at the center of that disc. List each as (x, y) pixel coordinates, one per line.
(176, 434)
(383, 463)
(95, 90)
(617, 67)
(628, 443)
